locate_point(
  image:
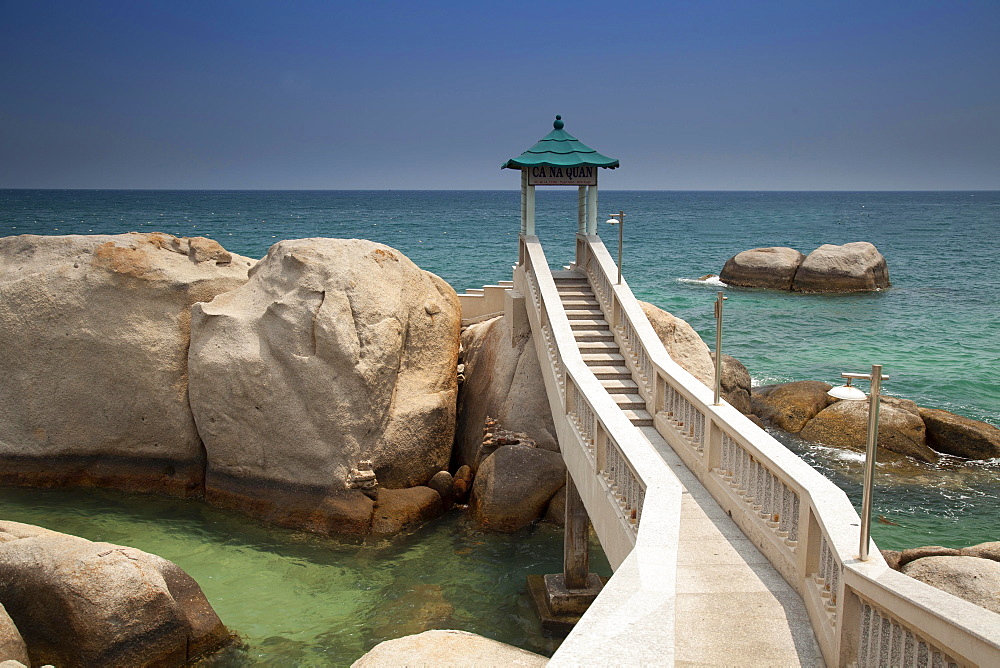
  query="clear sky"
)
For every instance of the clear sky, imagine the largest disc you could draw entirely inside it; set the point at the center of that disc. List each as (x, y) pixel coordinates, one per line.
(697, 95)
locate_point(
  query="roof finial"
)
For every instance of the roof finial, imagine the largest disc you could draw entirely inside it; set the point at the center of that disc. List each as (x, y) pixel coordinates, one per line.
(558, 124)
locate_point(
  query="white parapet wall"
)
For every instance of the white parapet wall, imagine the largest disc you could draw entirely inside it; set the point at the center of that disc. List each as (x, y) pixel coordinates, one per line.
(483, 303)
(862, 612)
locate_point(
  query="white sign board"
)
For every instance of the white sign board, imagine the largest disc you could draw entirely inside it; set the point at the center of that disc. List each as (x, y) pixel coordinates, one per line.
(582, 175)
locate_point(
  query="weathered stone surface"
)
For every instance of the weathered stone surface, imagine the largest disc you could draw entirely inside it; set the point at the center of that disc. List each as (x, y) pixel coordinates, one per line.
(960, 436)
(335, 351)
(682, 343)
(514, 486)
(462, 483)
(556, 511)
(503, 381)
(76, 602)
(790, 406)
(12, 647)
(341, 511)
(397, 509)
(853, 267)
(989, 550)
(845, 425)
(736, 383)
(447, 648)
(772, 267)
(976, 580)
(94, 358)
(892, 558)
(443, 483)
(914, 553)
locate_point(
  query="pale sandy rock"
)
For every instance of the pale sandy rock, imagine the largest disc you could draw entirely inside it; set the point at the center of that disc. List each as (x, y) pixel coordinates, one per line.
(94, 358)
(682, 343)
(772, 267)
(76, 602)
(914, 553)
(447, 648)
(976, 580)
(845, 425)
(960, 436)
(789, 406)
(335, 351)
(503, 380)
(988, 550)
(514, 485)
(12, 647)
(853, 267)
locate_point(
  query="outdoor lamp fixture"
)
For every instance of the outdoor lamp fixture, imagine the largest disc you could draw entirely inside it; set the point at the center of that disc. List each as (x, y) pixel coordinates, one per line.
(619, 220)
(850, 393)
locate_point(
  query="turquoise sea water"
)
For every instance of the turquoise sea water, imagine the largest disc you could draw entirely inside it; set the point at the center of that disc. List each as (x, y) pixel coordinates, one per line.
(936, 331)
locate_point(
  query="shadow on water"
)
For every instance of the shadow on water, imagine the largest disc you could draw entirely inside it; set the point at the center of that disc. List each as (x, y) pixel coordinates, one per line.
(302, 599)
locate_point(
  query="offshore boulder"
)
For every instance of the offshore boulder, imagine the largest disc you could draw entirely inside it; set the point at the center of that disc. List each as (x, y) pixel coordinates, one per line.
(853, 267)
(773, 267)
(334, 352)
(94, 358)
(80, 603)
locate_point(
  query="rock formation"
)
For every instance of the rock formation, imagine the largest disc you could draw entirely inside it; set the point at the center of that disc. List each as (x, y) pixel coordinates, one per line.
(514, 485)
(736, 383)
(335, 351)
(447, 648)
(79, 603)
(974, 579)
(682, 343)
(790, 406)
(852, 267)
(960, 436)
(94, 358)
(772, 268)
(12, 647)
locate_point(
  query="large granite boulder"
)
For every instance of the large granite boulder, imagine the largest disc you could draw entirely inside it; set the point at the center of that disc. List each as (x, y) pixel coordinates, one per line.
(790, 406)
(503, 380)
(12, 647)
(682, 343)
(853, 267)
(514, 486)
(736, 383)
(335, 351)
(960, 436)
(976, 580)
(94, 358)
(845, 425)
(773, 268)
(397, 509)
(79, 603)
(447, 648)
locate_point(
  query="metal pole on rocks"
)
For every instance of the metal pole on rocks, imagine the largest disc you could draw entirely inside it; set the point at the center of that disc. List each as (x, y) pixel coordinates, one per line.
(718, 348)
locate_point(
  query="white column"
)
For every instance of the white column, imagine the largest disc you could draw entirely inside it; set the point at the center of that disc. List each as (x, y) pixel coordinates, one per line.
(529, 211)
(581, 210)
(591, 209)
(524, 201)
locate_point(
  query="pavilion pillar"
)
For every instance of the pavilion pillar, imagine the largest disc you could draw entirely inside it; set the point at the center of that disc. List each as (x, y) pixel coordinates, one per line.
(581, 210)
(591, 210)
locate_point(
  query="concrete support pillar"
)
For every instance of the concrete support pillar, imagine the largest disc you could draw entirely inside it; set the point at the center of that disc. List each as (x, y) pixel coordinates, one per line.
(524, 202)
(529, 210)
(576, 540)
(581, 210)
(591, 209)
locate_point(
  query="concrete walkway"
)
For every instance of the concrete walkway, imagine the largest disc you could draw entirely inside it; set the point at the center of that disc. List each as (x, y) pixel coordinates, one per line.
(732, 607)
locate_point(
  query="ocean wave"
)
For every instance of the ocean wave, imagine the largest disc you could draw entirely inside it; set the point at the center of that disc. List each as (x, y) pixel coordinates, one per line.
(711, 280)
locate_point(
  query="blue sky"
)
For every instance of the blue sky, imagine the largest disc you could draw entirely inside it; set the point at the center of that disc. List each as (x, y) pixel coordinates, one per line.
(405, 95)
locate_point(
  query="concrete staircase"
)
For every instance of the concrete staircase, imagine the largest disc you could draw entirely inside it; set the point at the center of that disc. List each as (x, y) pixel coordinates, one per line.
(597, 345)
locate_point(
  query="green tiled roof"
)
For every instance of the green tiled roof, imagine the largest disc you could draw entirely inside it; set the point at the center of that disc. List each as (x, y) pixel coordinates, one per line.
(560, 149)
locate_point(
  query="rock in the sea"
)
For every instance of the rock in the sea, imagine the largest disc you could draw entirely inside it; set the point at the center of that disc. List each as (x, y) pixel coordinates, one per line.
(94, 358)
(914, 553)
(682, 343)
(514, 485)
(853, 267)
(976, 580)
(334, 352)
(790, 406)
(960, 436)
(12, 647)
(989, 550)
(79, 603)
(397, 509)
(443, 483)
(736, 383)
(447, 648)
(845, 425)
(462, 483)
(773, 268)
(503, 380)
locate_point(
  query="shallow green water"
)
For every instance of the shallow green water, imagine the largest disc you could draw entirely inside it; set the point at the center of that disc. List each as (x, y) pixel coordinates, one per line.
(306, 600)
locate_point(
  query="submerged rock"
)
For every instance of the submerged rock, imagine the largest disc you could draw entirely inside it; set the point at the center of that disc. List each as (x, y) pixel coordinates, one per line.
(853, 267)
(514, 485)
(772, 267)
(76, 602)
(447, 648)
(397, 509)
(94, 358)
(335, 351)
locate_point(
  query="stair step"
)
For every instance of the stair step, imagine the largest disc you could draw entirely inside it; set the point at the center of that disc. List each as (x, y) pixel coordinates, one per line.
(611, 372)
(596, 346)
(593, 335)
(581, 304)
(584, 314)
(600, 359)
(628, 401)
(639, 418)
(589, 324)
(629, 386)
(572, 291)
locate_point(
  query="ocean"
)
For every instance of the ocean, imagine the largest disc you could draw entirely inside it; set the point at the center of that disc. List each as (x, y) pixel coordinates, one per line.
(936, 331)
